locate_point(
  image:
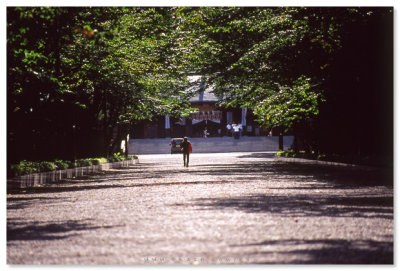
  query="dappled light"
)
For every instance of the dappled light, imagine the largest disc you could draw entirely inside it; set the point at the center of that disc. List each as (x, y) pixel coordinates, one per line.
(223, 209)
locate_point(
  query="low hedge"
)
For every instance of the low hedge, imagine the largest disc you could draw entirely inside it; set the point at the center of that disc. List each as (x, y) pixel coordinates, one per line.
(29, 167)
(377, 161)
(301, 154)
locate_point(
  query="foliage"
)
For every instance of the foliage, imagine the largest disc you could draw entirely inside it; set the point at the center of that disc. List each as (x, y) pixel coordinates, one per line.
(83, 162)
(338, 58)
(106, 67)
(117, 157)
(289, 104)
(301, 154)
(78, 73)
(28, 167)
(47, 166)
(256, 55)
(61, 164)
(24, 167)
(350, 159)
(98, 161)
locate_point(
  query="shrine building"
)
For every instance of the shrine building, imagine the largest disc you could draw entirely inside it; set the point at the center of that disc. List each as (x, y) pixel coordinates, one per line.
(211, 119)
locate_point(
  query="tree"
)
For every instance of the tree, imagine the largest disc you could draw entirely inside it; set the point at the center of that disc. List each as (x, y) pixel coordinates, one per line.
(75, 72)
(269, 58)
(80, 72)
(34, 38)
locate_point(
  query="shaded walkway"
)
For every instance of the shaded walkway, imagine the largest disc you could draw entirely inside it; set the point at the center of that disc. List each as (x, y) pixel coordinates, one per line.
(225, 209)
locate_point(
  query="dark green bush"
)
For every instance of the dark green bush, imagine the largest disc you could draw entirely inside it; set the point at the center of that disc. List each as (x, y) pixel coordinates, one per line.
(290, 153)
(99, 161)
(85, 162)
(24, 167)
(61, 164)
(46, 166)
(117, 157)
(28, 167)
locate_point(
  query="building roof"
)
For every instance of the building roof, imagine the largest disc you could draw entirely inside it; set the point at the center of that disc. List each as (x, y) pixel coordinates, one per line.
(201, 92)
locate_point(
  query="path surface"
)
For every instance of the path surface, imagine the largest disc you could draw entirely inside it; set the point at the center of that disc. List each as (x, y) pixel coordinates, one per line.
(240, 208)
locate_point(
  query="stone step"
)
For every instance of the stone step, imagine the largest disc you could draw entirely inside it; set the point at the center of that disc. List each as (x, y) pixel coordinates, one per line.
(210, 145)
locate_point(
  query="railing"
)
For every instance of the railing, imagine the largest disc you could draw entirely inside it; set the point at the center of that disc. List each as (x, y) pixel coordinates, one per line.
(38, 179)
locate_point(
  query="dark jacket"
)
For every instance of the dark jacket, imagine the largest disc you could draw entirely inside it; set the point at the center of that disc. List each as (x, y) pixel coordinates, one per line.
(185, 146)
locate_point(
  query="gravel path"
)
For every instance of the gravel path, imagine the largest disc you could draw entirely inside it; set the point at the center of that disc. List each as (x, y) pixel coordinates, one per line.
(239, 208)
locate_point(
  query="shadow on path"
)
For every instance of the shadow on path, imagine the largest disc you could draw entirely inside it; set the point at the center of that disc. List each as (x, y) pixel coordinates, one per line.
(305, 205)
(20, 230)
(244, 170)
(326, 251)
(252, 170)
(20, 203)
(59, 188)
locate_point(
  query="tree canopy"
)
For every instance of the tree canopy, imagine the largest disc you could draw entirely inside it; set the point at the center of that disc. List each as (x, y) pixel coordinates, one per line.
(89, 70)
(77, 71)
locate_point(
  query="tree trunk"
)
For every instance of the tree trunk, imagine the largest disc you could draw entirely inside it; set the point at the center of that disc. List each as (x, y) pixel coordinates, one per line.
(296, 138)
(280, 141)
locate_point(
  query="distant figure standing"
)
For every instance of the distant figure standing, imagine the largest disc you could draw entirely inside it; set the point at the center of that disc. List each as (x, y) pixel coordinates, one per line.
(236, 130)
(229, 129)
(186, 149)
(240, 129)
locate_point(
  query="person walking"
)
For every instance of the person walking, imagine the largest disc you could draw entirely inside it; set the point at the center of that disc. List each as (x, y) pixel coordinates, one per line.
(186, 149)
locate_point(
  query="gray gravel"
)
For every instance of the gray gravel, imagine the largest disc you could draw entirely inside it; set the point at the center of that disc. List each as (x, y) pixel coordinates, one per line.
(238, 208)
